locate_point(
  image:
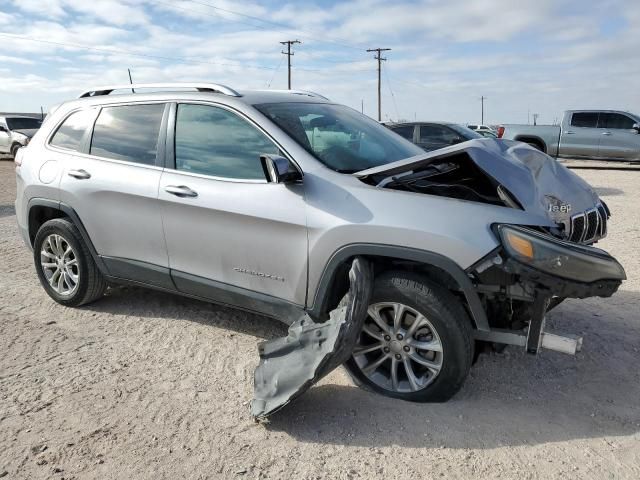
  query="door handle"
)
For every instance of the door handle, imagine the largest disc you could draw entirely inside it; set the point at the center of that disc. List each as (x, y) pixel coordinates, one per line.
(569, 133)
(606, 133)
(180, 191)
(79, 174)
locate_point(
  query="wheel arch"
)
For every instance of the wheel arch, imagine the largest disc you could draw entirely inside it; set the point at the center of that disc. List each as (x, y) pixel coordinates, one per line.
(40, 210)
(532, 139)
(333, 281)
(15, 145)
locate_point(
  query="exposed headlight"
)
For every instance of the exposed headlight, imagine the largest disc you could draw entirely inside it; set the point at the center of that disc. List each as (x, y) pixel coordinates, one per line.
(562, 259)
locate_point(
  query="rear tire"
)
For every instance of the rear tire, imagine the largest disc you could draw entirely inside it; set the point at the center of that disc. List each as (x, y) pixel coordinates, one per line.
(421, 374)
(65, 266)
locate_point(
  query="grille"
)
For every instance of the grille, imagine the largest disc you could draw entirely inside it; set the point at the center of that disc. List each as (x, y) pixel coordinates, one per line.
(592, 226)
(589, 226)
(602, 228)
(577, 227)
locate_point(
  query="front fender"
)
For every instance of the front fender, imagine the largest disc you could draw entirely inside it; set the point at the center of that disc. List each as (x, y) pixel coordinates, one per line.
(323, 293)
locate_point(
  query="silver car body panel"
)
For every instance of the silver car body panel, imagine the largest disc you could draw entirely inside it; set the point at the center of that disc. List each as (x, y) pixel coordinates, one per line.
(330, 209)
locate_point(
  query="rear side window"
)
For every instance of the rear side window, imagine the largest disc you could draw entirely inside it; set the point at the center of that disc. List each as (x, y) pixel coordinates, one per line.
(128, 132)
(213, 141)
(615, 120)
(70, 134)
(437, 133)
(405, 131)
(584, 119)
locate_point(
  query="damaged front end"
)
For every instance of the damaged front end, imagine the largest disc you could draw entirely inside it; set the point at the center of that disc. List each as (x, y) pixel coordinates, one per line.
(531, 273)
(289, 366)
(502, 173)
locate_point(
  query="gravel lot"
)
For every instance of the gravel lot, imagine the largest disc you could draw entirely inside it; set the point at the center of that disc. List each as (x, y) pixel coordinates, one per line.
(147, 385)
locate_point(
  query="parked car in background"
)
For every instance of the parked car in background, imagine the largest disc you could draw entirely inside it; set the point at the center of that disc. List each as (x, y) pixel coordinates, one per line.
(433, 135)
(484, 128)
(487, 133)
(16, 131)
(591, 134)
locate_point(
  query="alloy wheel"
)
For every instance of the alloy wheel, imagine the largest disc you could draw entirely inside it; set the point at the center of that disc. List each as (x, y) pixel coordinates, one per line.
(399, 349)
(59, 265)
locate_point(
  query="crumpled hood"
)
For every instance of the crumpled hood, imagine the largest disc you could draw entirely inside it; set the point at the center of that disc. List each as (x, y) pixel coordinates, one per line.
(539, 183)
(27, 132)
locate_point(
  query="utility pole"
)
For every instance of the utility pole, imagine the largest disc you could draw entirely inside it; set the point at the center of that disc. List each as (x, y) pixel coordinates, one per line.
(289, 53)
(535, 118)
(379, 58)
(482, 99)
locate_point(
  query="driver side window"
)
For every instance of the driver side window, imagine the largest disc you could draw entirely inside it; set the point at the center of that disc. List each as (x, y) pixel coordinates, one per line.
(214, 141)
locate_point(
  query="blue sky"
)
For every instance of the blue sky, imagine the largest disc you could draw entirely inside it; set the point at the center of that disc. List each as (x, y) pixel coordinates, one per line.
(540, 56)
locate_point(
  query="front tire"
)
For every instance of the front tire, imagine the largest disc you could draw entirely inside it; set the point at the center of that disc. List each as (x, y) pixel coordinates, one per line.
(416, 344)
(65, 266)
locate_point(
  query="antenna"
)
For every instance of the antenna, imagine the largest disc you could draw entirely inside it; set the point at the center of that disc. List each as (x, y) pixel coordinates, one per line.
(130, 81)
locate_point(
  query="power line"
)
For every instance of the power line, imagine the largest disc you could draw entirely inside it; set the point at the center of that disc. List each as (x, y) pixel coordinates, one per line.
(289, 54)
(318, 37)
(275, 71)
(393, 97)
(131, 54)
(379, 58)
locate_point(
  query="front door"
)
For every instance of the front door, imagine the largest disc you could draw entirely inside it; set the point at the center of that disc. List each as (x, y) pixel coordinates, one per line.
(227, 229)
(619, 139)
(113, 187)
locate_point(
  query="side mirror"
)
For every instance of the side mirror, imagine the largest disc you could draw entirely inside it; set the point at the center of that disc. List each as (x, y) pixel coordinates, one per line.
(636, 127)
(3, 128)
(278, 169)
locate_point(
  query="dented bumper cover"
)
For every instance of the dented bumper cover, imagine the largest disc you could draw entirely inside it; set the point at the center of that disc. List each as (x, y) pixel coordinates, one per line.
(289, 366)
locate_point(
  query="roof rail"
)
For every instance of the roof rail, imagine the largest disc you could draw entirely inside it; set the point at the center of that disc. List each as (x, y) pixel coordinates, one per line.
(201, 87)
(299, 92)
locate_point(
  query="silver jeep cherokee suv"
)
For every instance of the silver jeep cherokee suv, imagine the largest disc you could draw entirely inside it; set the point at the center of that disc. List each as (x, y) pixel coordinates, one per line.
(262, 199)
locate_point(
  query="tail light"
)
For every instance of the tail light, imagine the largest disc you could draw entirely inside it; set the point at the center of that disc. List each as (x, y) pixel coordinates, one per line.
(500, 131)
(18, 158)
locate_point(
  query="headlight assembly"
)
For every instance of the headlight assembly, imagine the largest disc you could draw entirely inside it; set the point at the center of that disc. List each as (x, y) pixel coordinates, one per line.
(562, 259)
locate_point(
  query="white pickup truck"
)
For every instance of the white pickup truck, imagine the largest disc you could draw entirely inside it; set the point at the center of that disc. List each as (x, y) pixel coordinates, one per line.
(592, 134)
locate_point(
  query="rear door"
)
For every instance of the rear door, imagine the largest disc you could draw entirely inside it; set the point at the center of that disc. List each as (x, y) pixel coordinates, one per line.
(619, 140)
(581, 138)
(112, 184)
(229, 233)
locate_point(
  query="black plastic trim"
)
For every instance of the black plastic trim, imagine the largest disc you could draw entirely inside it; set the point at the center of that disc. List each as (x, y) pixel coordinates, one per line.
(170, 137)
(137, 271)
(426, 257)
(562, 287)
(237, 297)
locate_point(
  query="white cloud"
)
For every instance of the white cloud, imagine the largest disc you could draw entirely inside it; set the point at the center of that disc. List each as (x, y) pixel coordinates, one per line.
(545, 55)
(10, 59)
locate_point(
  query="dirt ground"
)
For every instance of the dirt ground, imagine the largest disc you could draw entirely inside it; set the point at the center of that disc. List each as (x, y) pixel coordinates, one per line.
(147, 385)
